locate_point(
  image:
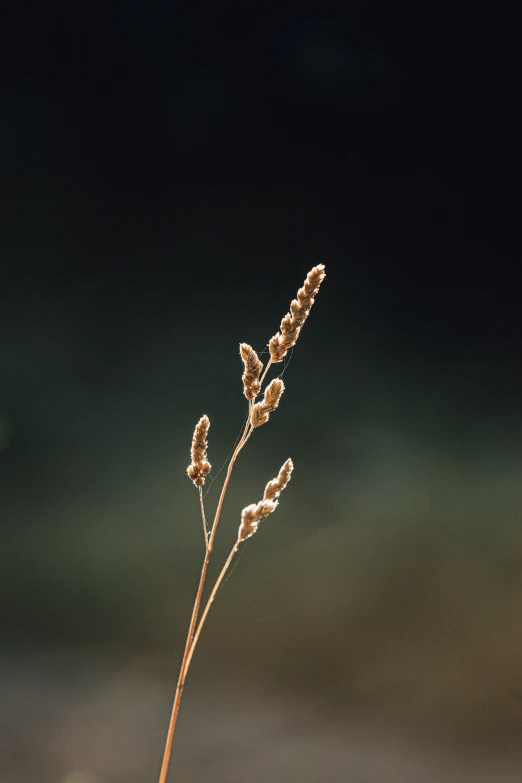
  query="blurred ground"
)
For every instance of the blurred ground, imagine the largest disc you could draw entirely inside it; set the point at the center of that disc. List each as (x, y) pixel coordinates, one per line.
(70, 719)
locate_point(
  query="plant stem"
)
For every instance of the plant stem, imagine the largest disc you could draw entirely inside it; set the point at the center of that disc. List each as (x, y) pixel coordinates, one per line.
(265, 371)
(193, 635)
(182, 673)
(205, 528)
(210, 600)
(195, 612)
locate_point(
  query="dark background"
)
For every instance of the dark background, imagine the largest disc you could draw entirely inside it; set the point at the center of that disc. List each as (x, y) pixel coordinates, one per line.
(169, 173)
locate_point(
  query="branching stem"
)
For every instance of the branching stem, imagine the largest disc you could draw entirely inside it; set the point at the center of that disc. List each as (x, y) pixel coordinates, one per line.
(210, 600)
(195, 611)
(193, 633)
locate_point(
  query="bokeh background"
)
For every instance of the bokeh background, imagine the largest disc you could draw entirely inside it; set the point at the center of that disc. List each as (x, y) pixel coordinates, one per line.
(169, 174)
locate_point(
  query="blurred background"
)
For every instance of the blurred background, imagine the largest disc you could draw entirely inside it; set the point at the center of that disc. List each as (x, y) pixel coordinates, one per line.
(169, 173)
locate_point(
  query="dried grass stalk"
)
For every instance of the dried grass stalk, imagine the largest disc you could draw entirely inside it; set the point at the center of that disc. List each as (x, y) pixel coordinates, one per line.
(293, 321)
(253, 367)
(199, 466)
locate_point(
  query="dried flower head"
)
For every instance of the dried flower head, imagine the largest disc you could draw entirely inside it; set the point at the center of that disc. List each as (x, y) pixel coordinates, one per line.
(253, 367)
(251, 515)
(199, 466)
(274, 488)
(261, 410)
(293, 321)
(259, 415)
(273, 394)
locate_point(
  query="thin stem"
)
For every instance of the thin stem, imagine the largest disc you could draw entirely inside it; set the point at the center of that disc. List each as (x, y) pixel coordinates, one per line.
(265, 371)
(209, 540)
(210, 600)
(195, 612)
(205, 528)
(182, 673)
(238, 448)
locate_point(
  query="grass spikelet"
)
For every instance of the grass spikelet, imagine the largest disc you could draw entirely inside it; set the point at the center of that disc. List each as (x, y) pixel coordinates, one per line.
(293, 321)
(261, 410)
(251, 515)
(273, 393)
(259, 415)
(274, 488)
(199, 466)
(253, 367)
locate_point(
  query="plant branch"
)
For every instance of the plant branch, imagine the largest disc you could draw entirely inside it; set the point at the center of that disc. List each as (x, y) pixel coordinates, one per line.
(209, 602)
(205, 528)
(195, 611)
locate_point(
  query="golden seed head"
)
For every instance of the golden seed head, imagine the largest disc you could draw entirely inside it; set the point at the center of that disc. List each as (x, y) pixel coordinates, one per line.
(247, 529)
(293, 321)
(311, 285)
(277, 351)
(251, 515)
(290, 328)
(259, 415)
(262, 410)
(273, 393)
(199, 440)
(274, 488)
(253, 367)
(198, 473)
(297, 310)
(199, 466)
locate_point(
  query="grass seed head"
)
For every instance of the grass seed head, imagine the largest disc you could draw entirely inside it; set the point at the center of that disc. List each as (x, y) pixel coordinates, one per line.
(199, 466)
(259, 415)
(262, 410)
(251, 515)
(274, 488)
(293, 321)
(253, 367)
(273, 393)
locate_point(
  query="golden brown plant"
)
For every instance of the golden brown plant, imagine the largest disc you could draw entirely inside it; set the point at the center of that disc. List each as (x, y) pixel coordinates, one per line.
(262, 410)
(251, 515)
(199, 467)
(293, 321)
(258, 414)
(253, 367)
(274, 488)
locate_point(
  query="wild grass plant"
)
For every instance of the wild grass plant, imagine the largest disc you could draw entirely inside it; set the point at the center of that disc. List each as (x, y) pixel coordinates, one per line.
(258, 414)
